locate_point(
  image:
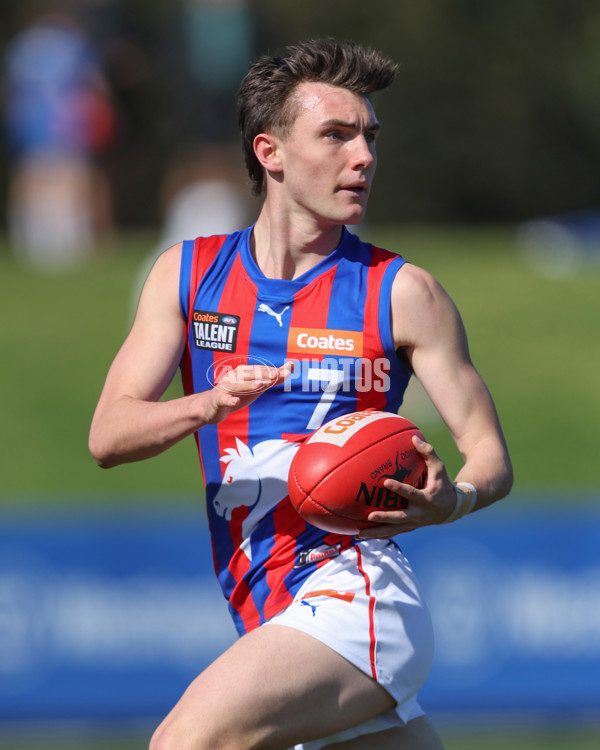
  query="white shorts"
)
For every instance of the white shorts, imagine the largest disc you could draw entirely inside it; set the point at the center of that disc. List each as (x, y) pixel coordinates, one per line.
(366, 605)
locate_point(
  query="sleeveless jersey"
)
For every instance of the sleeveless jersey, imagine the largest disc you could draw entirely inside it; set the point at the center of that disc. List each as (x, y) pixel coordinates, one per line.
(333, 322)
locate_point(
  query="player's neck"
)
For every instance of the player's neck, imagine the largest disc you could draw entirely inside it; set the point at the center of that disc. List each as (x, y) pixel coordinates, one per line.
(287, 248)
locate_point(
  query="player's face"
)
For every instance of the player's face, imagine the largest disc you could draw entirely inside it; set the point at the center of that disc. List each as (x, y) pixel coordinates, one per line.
(329, 159)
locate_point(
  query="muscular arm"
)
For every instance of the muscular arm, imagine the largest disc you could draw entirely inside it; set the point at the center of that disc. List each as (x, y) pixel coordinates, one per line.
(130, 423)
(427, 325)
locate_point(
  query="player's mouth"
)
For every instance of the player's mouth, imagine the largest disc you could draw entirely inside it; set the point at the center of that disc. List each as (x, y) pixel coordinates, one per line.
(360, 189)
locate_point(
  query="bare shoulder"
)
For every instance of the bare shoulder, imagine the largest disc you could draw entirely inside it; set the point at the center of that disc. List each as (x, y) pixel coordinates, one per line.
(414, 285)
(150, 354)
(167, 266)
(421, 307)
(161, 288)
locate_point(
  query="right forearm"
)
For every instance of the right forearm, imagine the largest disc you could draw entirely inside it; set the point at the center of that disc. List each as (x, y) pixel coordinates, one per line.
(132, 429)
(126, 429)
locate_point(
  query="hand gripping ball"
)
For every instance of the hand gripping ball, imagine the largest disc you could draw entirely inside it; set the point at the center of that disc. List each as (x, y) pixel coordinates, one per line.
(337, 474)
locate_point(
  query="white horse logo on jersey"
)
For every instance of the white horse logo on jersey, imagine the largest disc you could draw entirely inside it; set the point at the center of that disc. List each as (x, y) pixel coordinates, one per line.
(266, 309)
(255, 478)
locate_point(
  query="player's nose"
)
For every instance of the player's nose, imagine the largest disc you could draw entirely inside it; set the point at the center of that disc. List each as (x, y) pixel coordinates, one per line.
(363, 153)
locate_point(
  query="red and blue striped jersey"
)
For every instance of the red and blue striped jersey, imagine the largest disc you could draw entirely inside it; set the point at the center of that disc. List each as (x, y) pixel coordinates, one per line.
(334, 323)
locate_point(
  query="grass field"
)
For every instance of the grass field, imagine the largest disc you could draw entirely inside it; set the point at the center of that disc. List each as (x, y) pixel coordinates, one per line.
(535, 340)
(497, 739)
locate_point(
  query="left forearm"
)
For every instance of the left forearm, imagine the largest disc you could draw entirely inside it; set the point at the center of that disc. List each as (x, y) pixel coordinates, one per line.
(488, 468)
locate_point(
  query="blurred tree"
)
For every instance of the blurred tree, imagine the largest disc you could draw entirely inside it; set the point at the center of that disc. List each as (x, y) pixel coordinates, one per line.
(495, 115)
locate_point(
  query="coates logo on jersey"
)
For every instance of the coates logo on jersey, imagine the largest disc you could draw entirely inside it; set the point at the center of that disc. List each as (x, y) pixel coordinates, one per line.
(216, 331)
(311, 341)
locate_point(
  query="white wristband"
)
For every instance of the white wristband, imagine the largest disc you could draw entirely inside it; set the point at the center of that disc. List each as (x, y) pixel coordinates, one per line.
(466, 497)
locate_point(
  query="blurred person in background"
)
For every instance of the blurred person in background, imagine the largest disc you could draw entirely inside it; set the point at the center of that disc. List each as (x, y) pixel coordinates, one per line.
(58, 117)
(203, 192)
(210, 47)
(205, 188)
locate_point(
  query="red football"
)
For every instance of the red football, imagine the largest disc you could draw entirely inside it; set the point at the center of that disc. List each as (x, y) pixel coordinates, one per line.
(337, 474)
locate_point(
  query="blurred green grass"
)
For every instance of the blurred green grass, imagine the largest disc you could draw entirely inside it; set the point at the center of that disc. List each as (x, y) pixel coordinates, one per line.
(533, 339)
(496, 739)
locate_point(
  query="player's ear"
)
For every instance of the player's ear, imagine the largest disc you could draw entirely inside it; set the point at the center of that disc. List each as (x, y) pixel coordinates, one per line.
(267, 152)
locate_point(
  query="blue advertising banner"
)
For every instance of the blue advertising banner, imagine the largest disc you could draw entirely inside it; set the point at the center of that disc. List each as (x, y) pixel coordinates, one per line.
(105, 617)
(109, 617)
(515, 599)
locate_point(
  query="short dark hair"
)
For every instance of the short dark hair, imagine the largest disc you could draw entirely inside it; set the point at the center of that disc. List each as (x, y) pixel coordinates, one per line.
(264, 99)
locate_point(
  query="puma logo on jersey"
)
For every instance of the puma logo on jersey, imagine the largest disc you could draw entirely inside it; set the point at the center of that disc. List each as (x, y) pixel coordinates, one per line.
(266, 309)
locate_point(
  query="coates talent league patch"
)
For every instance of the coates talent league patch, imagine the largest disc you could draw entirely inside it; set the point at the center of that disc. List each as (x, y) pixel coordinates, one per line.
(216, 331)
